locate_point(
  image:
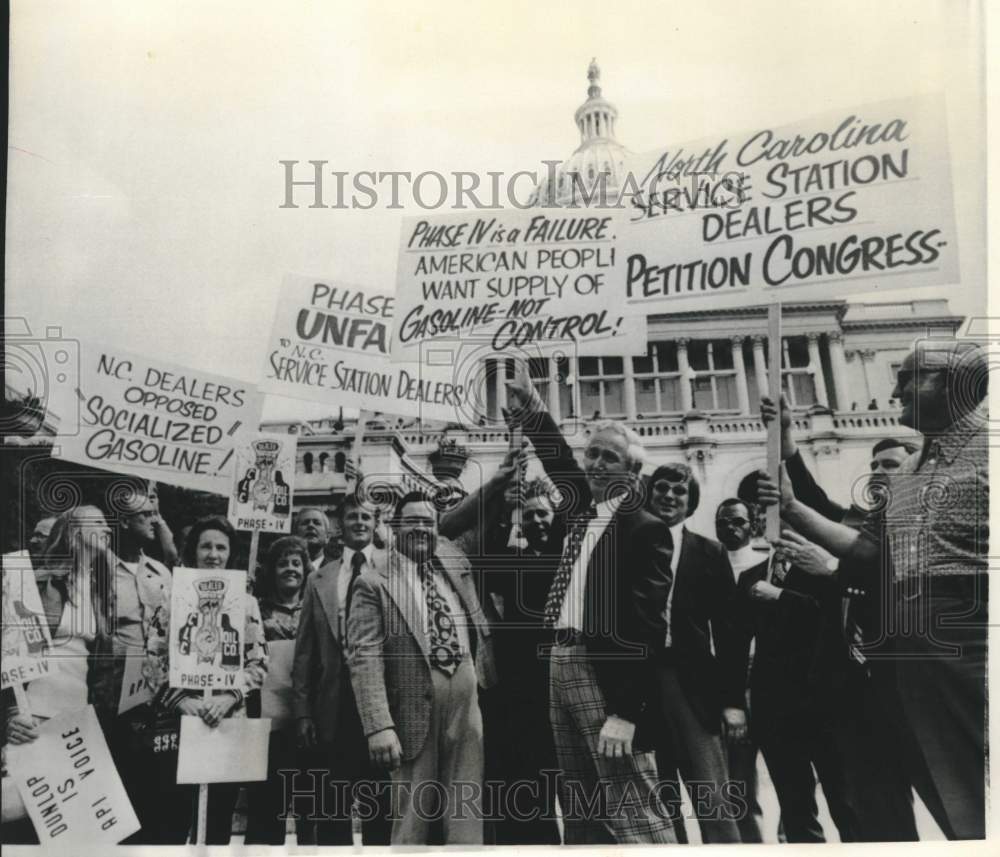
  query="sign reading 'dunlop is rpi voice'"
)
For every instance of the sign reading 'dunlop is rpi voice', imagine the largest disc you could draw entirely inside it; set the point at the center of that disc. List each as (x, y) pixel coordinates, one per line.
(538, 281)
(853, 201)
(150, 418)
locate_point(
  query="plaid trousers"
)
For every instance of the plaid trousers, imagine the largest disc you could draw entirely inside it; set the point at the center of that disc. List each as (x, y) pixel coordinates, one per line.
(603, 801)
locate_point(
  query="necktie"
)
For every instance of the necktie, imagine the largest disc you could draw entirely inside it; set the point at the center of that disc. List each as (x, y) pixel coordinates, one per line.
(668, 639)
(571, 551)
(446, 653)
(357, 561)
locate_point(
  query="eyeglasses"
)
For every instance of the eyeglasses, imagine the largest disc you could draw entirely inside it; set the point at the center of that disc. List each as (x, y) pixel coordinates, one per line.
(735, 522)
(678, 489)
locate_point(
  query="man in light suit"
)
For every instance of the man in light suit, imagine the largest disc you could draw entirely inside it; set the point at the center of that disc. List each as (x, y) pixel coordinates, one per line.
(327, 717)
(419, 650)
(607, 608)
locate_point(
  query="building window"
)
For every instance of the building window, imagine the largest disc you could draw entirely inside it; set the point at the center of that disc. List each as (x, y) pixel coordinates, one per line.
(657, 380)
(538, 371)
(324, 457)
(307, 462)
(602, 386)
(339, 462)
(796, 372)
(713, 381)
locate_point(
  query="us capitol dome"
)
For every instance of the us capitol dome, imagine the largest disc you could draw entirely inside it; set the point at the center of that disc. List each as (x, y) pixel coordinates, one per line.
(599, 153)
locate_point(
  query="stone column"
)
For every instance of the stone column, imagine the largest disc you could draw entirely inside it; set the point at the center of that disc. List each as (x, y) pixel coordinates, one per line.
(758, 364)
(838, 363)
(554, 407)
(816, 365)
(631, 412)
(687, 400)
(742, 394)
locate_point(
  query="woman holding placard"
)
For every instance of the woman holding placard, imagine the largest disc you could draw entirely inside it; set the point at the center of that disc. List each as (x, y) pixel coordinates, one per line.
(210, 545)
(279, 589)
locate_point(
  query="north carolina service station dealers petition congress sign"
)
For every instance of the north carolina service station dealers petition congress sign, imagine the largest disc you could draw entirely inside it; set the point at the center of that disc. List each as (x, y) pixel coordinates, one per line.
(851, 201)
(330, 343)
(533, 281)
(156, 420)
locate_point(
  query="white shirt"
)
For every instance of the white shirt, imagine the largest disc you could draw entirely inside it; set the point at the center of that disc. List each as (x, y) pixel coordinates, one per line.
(344, 581)
(571, 613)
(677, 534)
(744, 558)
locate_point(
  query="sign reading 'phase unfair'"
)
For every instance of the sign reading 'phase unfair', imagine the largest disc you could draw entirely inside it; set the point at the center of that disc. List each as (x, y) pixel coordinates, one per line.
(857, 200)
(156, 420)
(330, 343)
(535, 282)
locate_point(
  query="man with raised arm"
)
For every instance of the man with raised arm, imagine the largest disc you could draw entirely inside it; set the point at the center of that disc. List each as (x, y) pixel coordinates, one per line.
(606, 609)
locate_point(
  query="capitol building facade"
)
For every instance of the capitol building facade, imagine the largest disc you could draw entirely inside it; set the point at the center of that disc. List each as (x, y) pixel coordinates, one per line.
(693, 397)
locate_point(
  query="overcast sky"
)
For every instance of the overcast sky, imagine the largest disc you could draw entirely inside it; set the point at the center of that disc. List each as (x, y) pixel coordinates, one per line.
(144, 184)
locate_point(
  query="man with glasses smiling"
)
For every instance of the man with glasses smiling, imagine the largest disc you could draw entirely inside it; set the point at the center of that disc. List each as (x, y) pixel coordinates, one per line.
(698, 674)
(606, 608)
(419, 648)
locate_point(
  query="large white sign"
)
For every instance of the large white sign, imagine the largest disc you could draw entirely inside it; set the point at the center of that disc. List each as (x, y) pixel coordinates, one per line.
(157, 420)
(207, 625)
(330, 343)
(535, 282)
(857, 200)
(69, 783)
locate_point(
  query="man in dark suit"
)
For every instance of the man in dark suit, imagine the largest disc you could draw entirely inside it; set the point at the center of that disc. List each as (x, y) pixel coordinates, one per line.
(328, 726)
(606, 607)
(783, 609)
(420, 647)
(698, 671)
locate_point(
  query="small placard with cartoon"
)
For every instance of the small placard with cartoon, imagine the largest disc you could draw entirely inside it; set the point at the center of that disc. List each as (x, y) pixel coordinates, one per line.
(263, 484)
(27, 644)
(207, 621)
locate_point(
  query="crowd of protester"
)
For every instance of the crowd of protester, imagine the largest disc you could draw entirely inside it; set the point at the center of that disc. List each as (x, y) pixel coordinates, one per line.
(557, 659)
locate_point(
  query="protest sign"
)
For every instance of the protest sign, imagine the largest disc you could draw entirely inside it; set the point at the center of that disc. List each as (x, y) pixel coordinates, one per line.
(276, 694)
(260, 497)
(157, 420)
(330, 343)
(207, 625)
(27, 644)
(136, 690)
(539, 281)
(69, 783)
(235, 751)
(858, 200)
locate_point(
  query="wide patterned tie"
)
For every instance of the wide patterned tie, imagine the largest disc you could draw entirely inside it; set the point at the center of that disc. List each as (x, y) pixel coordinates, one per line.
(571, 552)
(357, 563)
(446, 651)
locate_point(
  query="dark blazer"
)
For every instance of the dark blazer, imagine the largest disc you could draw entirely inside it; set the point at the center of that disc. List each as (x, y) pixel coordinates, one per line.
(787, 633)
(389, 652)
(628, 580)
(700, 616)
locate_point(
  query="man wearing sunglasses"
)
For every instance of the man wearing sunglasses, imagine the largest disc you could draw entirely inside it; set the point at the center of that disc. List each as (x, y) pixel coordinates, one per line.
(699, 683)
(928, 551)
(606, 610)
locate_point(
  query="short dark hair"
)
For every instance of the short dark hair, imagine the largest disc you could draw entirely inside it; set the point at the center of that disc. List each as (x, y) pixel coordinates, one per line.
(892, 443)
(680, 473)
(212, 522)
(538, 488)
(736, 501)
(410, 497)
(265, 584)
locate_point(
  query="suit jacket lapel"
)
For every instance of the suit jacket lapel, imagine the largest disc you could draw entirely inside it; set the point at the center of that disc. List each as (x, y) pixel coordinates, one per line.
(466, 590)
(399, 577)
(326, 589)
